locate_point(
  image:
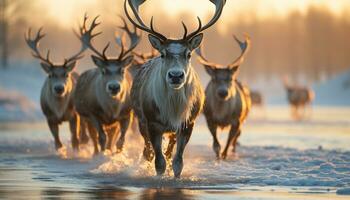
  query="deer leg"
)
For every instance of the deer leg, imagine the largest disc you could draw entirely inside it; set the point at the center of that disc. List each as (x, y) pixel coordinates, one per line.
(170, 148)
(101, 133)
(156, 138)
(74, 127)
(112, 134)
(93, 136)
(54, 131)
(233, 132)
(183, 136)
(235, 139)
(124, 125)
(216, 144)
(148, 153)
(84, 138)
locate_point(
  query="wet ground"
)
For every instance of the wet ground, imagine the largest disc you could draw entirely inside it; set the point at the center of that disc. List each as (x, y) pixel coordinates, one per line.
(278, 158)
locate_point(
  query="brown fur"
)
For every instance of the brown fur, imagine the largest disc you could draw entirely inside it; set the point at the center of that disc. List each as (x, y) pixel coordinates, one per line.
(58, 109)
(103, 112)
(230, 112)
(257, 99)
(299, 98)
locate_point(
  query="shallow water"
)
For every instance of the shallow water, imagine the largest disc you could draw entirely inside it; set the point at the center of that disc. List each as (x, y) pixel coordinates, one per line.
(277, 159)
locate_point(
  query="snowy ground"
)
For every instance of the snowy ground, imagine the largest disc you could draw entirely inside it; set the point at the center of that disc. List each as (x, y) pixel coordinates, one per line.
(278, 159)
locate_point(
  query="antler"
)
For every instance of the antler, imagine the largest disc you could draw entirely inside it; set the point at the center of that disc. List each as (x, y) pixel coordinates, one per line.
(85, 35)
(134, 5)
(133, 36)
(203, 60)
(34, 46)
(146, 56)
(244, 46)
(219, 5)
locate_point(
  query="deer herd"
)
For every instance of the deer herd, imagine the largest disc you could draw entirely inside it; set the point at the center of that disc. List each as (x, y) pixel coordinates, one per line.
(161, 90)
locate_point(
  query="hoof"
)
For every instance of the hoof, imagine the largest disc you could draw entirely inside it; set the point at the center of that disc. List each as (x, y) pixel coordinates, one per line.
(120, 145)
(160, 165)
(177, 167)
(223, 156)
(58, 146)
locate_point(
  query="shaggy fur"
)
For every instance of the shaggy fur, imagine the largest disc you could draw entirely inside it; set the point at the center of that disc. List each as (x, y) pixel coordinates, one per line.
(161, 109)
(230, 112)
(58, 109)
(102, 111)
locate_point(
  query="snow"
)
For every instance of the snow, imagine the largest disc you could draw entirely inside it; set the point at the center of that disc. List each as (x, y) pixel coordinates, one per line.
(335, 91)
(20, 86)
(343, 191)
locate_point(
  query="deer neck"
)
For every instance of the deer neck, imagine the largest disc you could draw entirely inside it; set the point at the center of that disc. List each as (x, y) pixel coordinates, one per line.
(111, 106)
(174, 105)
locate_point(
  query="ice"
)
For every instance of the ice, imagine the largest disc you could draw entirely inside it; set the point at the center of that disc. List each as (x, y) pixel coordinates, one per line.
(344, 191)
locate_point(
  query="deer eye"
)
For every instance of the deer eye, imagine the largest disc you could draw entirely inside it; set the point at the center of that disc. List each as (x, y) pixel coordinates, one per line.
(162, 55)
(189, 55)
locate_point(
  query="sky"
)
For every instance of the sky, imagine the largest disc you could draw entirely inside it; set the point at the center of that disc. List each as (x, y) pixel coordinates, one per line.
(63, 11)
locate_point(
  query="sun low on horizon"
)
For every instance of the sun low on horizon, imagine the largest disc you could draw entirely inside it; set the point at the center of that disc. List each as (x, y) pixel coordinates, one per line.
(65, 12)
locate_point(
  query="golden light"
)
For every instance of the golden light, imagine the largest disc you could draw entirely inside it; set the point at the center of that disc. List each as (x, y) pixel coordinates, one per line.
(66, 11)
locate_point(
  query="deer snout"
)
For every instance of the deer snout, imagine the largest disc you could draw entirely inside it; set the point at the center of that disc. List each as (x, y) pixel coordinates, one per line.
(223, 93)
(176, 76)
(113, 88)
(59, 89)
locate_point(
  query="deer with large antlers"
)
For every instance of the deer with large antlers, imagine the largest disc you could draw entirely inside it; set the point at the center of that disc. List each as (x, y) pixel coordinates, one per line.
(57, 92)
(227, 100)
(103, 94)
(166, 93)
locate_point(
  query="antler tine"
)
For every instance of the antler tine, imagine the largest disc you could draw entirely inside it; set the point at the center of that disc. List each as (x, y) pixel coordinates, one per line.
(34, 45)
(133, 36)
(83, 47)
(185, 30)
(104, 51)
(140, 24)
(244, 46)
(219, 4)
(86, 35)
(202, 59)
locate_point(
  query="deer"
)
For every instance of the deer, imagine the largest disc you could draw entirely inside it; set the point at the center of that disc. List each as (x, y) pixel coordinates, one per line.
(256, 97)
(299, 97)
(57, 92)
(227, 101)
(167, 96)
(103, 93)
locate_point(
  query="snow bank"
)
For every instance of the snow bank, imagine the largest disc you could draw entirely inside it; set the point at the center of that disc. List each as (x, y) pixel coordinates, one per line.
(20, 86)
(335, 91)
(16, 107)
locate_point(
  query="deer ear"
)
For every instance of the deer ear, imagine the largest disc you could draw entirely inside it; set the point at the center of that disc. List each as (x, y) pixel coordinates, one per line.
(127, 61)
(209, 69)
(196, 41)
(46, 67)
(98, 61)
(155, 42)
(234, 68)
(70, 66)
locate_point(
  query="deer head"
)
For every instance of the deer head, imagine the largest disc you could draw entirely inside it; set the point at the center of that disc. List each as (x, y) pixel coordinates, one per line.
(223, 78)
(111, 68)
(58, 73)
(175, 54)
